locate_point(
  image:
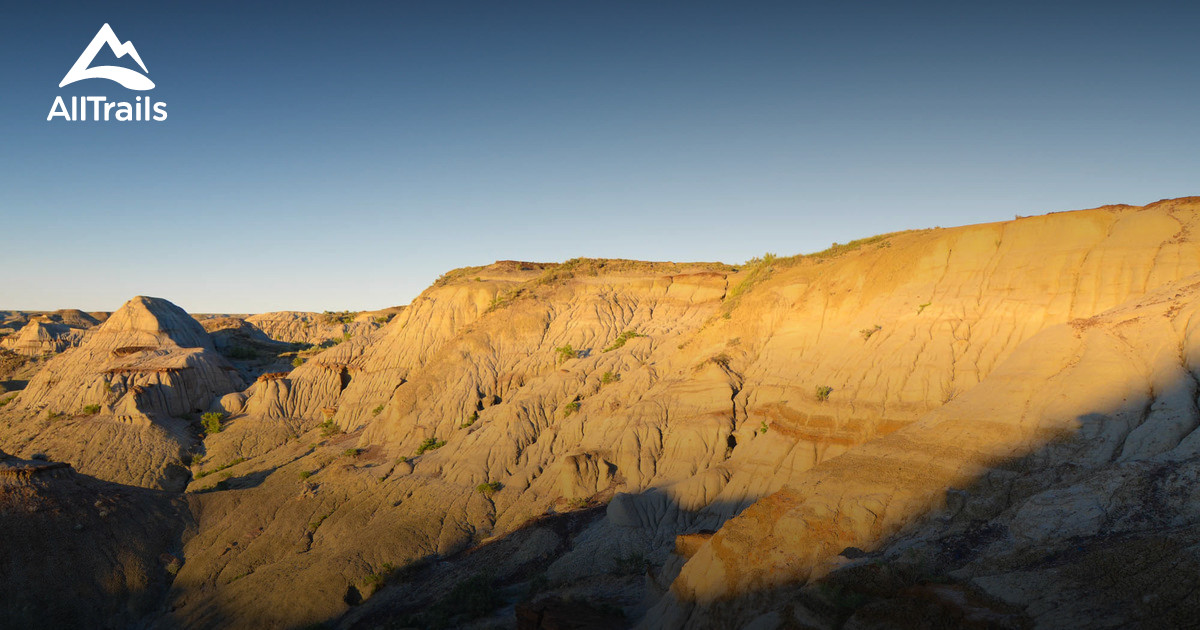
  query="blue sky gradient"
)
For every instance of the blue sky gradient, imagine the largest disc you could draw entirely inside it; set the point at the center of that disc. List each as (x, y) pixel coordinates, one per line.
(343, 155)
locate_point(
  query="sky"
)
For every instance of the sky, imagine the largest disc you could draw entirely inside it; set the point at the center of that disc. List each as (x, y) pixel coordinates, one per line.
(330, 156)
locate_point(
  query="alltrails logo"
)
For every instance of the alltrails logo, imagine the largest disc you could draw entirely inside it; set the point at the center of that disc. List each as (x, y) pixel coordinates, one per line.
(142, 108)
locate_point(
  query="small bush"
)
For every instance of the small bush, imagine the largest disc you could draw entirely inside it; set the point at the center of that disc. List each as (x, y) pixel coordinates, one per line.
(722, 360)
(622, 339)
(609, 377)
(329, 428)
(241, 353)
(430, 444)
(378, 410)
(922, 307)
(489, 488)
(229, 464)
(305, 474)
(631, 564)
(91, 410)
(823, 392)
(571, 408)
(469, 421)
(762, 428)
(867, 332)
(7, 400)
(53, 415)
(212, 422)
(352, 452)
(566, 353)
(298, 361)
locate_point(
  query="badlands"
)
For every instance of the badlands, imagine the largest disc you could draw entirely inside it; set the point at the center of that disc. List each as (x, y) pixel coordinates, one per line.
(990, 426)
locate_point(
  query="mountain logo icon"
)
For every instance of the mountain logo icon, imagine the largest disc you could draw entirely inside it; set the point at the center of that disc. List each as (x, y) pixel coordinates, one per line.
(131, 79)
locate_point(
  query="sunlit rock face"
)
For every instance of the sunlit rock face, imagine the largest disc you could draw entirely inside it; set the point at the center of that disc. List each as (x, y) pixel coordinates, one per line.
(701, 445)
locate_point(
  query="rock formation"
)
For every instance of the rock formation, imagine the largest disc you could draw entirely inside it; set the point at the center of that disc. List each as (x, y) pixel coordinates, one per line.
(121, 406)
(929, 426)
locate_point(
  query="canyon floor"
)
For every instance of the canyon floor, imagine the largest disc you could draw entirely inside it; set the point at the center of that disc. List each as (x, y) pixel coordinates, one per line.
(988, 426)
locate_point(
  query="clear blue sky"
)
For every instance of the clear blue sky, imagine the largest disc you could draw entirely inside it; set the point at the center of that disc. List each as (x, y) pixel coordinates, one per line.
(343, 155)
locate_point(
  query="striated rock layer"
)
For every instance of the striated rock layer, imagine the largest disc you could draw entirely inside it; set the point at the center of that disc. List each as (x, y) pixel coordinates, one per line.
(678, 394)
(870, 432)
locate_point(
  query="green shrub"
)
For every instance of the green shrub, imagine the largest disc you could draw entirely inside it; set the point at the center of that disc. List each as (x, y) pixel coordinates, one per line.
(91, 410)
(922, 307)
(352, 452)
(53, 415)
(229, 464)
(621, 339)
(867, 332)
(823, 392)
(609, 377)
(489, 488)
(762, 428)
(566, 353)
(212, 422)
(329, 427)
(7, 400)
(430, 444)
(469, 421)
(339, 317)
(241, 353)
(305, 474)
(378, 410)
(571, 408)
(298, 361)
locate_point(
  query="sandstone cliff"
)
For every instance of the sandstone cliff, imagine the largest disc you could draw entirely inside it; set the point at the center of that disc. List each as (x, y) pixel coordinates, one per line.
(889, 412)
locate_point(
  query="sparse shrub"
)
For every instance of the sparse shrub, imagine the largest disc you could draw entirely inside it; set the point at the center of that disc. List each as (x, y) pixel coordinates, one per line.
(305, 474)
(53, 415)
(91, 410)
(823, 392)
(762, 428)
(631, 564)
(430, 444)
(867, 332)
(329, 428)
(229, 464)
(352, 452)
(174, 565)
(571, 408)
(347, 336)
(212, 422)
(312, 527)
(722, 360)
(7, 400)
(922, 307)
(298, 361)
(339, 317)
(489, 488)
(622, 339)
(378, 410)
(609, 377)
(469, 421)
(566, 353)
(241, 353)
